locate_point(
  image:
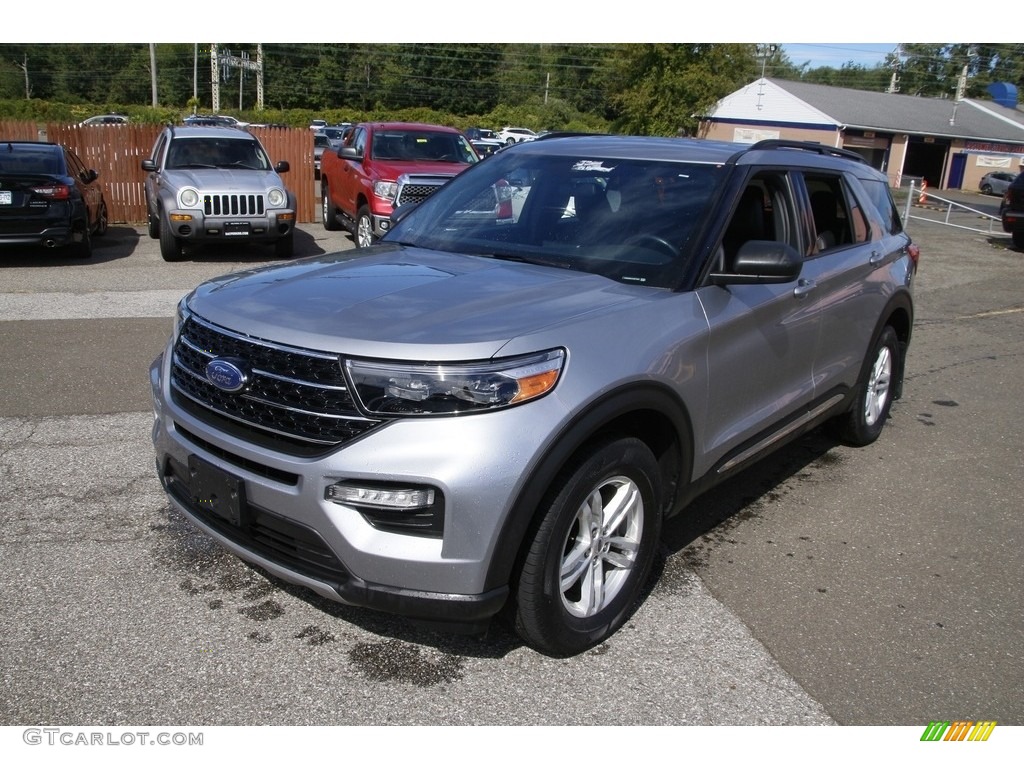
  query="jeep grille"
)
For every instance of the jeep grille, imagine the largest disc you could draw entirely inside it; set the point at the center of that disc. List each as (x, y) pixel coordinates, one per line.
(233, 205)
(297, 401)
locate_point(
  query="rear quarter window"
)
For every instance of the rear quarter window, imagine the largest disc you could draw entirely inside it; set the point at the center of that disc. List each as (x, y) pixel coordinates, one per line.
(881, 197)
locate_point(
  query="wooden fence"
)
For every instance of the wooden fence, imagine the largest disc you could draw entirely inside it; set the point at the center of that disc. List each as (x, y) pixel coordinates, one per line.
(117, 151)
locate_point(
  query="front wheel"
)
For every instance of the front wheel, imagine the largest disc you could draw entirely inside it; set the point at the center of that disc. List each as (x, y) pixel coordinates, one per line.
(364, 228)
(987, 189)
(284, 248)
(592, 549)
(863, 423)
(170, 246)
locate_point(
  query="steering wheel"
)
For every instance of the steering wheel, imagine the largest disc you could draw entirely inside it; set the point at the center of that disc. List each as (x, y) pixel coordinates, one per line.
(658, 243)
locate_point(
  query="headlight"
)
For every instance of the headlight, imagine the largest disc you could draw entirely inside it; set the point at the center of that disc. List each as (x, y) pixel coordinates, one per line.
(180, 316)
(188, 198)
(401, 389)
(276, 198)
(387, 190)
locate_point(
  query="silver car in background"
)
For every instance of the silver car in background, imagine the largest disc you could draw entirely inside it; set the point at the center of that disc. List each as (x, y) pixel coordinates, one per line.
(209, 184)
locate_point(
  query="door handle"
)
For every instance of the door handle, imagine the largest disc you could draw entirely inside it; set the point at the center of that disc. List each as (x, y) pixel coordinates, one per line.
(804, 287)
(876, 259)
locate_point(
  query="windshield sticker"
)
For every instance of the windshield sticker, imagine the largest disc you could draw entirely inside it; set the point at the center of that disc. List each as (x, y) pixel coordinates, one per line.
(591, 165)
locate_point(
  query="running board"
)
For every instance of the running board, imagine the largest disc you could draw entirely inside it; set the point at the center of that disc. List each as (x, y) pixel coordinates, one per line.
(775, 437)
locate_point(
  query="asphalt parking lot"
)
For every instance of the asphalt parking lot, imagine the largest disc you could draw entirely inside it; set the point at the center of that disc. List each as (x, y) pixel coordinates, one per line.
(827, 585)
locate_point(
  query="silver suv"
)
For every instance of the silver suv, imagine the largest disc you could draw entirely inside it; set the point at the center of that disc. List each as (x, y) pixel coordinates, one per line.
(495, 408)
(216, 184)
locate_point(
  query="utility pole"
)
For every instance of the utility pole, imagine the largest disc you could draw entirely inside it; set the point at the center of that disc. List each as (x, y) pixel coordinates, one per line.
(894, 81)
(152, 70)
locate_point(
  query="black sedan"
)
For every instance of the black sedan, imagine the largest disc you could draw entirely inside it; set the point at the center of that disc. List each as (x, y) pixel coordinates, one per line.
(48, 197)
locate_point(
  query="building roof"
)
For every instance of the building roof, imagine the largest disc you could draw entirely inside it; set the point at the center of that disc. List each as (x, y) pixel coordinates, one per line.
(770, 101)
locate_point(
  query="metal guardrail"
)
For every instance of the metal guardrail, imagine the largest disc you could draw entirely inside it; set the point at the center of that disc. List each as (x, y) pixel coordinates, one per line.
(939, 210)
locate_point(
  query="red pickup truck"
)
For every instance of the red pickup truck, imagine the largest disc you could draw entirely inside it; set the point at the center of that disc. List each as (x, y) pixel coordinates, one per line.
(383, 165)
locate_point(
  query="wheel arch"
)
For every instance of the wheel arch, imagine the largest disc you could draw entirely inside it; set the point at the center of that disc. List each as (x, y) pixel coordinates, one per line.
(648, 412)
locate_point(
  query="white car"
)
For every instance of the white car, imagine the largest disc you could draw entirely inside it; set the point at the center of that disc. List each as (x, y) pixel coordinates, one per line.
(509, 135)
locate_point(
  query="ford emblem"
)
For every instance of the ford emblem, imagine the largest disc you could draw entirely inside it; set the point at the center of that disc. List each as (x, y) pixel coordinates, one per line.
(227, 375)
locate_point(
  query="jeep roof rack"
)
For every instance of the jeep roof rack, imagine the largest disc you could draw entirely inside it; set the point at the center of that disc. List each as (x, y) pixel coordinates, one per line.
(808, 146)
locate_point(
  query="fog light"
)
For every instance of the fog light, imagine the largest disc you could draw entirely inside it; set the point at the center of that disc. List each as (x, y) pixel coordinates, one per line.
(380, 498)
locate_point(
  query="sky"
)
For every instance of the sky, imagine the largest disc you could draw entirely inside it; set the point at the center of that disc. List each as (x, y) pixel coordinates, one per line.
(835, 55)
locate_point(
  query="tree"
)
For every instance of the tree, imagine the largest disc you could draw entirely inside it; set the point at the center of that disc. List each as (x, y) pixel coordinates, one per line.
(664, 88)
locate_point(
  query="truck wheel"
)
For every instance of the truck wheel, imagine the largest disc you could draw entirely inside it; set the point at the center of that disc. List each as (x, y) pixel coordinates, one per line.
(170, 246)
(592, 551)
(364, 228)
(328, 211)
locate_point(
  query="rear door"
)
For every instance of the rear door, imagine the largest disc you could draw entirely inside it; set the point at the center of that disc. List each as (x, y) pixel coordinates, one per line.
(847, 267)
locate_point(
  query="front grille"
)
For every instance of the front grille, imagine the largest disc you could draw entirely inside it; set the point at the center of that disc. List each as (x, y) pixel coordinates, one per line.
(296, 401)
(278, 539)
(233, 205)
(416, 189)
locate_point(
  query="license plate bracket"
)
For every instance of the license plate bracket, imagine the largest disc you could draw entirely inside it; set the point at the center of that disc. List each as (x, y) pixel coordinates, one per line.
(215, 491)
(6, 197)
(236, 229)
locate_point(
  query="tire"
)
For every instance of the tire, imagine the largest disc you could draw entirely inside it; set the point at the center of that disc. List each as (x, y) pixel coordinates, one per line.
(153, 224)
(284, 248)
(509, 141)
(328, 210)
(83, 248)
(882, 370)
(1018, 239)
(170, 246)
(102, 221)
(987, 189)
(363, 234)
(580, 536)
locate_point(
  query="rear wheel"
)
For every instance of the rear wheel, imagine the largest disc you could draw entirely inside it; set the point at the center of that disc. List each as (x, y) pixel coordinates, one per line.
(170, 246)
(328, 211)
(1018, 239)
(82, 249)
(864, 422)
(364, 228)
(592, 550)
(987, 189)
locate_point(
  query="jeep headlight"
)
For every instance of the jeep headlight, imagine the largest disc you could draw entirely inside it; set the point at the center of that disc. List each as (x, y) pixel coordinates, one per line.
(276, 197)
(403, 389)
(188, 197)
(386, 190)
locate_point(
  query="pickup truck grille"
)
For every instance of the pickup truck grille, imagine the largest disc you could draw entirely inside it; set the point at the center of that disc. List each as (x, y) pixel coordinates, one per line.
(416, 189)
(296, 401)
(233, 205)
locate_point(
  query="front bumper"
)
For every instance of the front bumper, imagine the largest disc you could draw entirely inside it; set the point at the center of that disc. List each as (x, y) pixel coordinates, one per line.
(286, 525)
(194, 225)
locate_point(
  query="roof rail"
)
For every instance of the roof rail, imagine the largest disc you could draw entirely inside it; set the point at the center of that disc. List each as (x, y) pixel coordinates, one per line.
(809, 146)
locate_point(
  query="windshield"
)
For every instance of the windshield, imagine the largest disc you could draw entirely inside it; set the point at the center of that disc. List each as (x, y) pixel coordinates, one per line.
(217, 153)
(422, 145)
(630, 220)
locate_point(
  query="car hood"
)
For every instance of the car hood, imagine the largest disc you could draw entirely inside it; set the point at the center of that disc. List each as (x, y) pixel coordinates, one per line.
(404, 303)
(224, 179)
(392, 169)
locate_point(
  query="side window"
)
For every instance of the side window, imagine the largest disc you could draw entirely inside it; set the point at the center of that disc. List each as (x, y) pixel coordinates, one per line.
(158, 149)
(765, 211)
(881, 198)
(838, 218)
(359, 140)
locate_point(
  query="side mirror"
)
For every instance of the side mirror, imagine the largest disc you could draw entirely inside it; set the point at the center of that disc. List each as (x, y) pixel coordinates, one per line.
(761, 262)
(282, 166)
(149, 165)
(350, 153)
